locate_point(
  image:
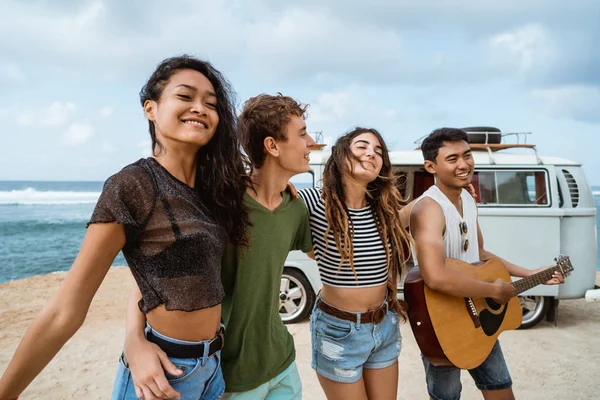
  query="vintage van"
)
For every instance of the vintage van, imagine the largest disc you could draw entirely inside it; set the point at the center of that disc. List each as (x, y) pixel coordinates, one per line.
(531, 209)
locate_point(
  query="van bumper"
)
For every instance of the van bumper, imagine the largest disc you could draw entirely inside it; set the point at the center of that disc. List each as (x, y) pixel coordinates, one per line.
(592, 295)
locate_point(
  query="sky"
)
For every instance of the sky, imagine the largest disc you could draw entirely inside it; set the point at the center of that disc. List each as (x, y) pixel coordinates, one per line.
(71, 71)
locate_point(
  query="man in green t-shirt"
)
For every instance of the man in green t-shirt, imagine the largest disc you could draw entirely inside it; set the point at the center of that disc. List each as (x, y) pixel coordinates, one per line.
(258, 356)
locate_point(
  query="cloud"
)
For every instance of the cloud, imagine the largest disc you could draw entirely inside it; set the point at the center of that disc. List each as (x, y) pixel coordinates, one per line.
(343, 105)
(576, 102)
(116, 38)
(332, 107)
(476, 18)
(524, 47)
(106, 112)
(56, 114)
(77, 134)
(329, 43)
(301, 43)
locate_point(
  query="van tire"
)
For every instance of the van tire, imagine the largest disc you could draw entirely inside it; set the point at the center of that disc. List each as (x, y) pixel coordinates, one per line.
(534, 310)
(493, 136)
(296, 297)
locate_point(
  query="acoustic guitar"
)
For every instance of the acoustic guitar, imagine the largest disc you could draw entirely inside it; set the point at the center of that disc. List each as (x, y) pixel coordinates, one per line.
(462, 331)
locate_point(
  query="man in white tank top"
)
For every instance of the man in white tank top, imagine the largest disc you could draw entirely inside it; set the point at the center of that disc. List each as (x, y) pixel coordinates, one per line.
(443, 222)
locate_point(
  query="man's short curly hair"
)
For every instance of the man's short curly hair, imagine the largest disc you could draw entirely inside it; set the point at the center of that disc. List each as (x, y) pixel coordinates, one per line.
(263, 116)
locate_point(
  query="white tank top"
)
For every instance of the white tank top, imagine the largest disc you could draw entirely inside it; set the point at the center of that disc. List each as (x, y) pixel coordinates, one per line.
(454, 238)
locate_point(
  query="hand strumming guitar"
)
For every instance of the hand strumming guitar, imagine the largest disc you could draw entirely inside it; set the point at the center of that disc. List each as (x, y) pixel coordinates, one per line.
(504, 291)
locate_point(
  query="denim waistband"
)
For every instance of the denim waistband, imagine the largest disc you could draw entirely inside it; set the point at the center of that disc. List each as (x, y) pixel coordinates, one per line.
(183, 348)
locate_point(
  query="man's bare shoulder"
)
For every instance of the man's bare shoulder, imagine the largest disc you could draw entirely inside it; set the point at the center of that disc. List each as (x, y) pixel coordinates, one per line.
(426, 207)
(427, 216)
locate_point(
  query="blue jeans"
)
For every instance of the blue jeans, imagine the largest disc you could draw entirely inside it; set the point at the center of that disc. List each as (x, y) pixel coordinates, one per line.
(443, 383)
(341, 348)
(202, 378)
(285, 386)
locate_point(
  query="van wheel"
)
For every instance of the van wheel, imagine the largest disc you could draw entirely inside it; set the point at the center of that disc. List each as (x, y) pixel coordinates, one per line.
(296, 297)
(534, 310)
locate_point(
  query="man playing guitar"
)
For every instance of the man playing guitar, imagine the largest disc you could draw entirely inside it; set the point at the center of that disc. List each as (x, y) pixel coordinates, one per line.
(443, 223)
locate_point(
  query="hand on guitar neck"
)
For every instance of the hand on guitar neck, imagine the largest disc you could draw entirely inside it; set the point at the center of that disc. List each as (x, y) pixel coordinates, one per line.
(504, 291)
(557, 276)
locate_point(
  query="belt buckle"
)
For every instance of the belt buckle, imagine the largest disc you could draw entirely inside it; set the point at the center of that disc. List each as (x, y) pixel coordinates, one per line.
(378, 315)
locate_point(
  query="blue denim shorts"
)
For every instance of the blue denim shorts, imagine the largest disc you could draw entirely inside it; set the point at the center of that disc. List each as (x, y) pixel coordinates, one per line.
(341, 349)
(443, 383)
(202, 378)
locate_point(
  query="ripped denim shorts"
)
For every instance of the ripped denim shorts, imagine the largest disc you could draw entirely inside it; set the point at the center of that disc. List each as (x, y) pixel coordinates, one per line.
(341, 349)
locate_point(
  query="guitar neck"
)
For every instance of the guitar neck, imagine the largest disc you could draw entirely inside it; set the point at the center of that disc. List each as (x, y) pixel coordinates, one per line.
(534, 280)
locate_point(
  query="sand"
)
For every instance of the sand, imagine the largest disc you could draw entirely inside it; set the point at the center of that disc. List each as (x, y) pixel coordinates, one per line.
(546, 362)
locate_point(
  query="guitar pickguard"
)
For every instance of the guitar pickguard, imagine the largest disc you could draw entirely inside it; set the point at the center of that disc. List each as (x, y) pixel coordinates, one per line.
(490, 322)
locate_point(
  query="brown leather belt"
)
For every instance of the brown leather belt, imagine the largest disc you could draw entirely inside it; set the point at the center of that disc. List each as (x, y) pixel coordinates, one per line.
(370, 317)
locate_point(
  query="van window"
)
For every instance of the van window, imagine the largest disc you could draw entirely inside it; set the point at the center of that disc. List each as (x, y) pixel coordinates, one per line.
(511, 188)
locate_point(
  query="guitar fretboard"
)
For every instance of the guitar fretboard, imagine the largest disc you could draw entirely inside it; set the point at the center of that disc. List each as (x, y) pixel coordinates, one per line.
(536, 279)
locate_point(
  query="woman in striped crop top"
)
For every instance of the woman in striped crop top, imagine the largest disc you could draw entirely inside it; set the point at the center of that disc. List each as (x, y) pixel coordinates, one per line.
(359, 245)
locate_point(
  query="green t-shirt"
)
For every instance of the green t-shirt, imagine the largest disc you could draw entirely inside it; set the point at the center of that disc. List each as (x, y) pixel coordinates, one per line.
(258, 346)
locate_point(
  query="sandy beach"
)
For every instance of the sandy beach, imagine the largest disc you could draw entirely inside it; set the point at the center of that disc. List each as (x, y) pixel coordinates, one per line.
(546, 362)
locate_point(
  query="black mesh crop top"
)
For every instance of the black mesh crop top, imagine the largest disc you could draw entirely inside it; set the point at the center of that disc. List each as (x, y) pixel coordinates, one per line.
(173, 245)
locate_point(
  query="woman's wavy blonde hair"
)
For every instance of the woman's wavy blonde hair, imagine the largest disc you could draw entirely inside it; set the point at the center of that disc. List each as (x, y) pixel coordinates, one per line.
(385, 200)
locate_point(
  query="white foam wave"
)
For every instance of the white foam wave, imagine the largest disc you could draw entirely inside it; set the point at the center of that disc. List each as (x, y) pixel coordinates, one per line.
(30, 196)
(596, 192)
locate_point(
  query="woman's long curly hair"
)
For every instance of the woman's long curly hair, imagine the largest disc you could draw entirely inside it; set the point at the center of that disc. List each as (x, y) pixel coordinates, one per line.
(220, 175)
(385, 200)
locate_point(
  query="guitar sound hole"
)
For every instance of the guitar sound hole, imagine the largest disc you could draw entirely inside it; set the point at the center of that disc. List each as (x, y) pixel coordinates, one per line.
(492, 304)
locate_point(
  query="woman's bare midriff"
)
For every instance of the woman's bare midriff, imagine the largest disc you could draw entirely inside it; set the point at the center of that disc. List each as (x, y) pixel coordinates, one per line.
(193, 326)
(354, 299)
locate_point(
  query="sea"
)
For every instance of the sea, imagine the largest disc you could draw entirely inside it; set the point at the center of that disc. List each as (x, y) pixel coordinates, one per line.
(42, 225)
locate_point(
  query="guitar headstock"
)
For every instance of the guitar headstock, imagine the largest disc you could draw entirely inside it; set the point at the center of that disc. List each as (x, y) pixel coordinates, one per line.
(564, 264)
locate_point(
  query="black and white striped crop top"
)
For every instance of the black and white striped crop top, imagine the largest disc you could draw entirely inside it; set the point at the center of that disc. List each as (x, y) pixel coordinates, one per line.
(370, 261)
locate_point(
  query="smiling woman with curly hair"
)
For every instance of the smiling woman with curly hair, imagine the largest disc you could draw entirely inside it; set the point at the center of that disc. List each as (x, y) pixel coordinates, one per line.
(360, 246)
(172, 215)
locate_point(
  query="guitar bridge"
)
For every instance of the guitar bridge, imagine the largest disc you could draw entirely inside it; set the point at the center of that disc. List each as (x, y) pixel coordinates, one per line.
(472, 310)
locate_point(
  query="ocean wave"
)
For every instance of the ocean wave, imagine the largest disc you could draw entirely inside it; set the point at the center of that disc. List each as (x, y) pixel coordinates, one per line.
(596, 192)
(30, 196)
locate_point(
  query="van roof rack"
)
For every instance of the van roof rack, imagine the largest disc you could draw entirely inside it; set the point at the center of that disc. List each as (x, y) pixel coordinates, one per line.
(492, 139)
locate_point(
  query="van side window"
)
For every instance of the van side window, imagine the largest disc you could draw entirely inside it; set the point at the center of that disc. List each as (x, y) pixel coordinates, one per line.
(511, 188)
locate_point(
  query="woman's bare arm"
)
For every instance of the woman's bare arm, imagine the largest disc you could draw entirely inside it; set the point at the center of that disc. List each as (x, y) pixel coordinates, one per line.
(64, 314)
